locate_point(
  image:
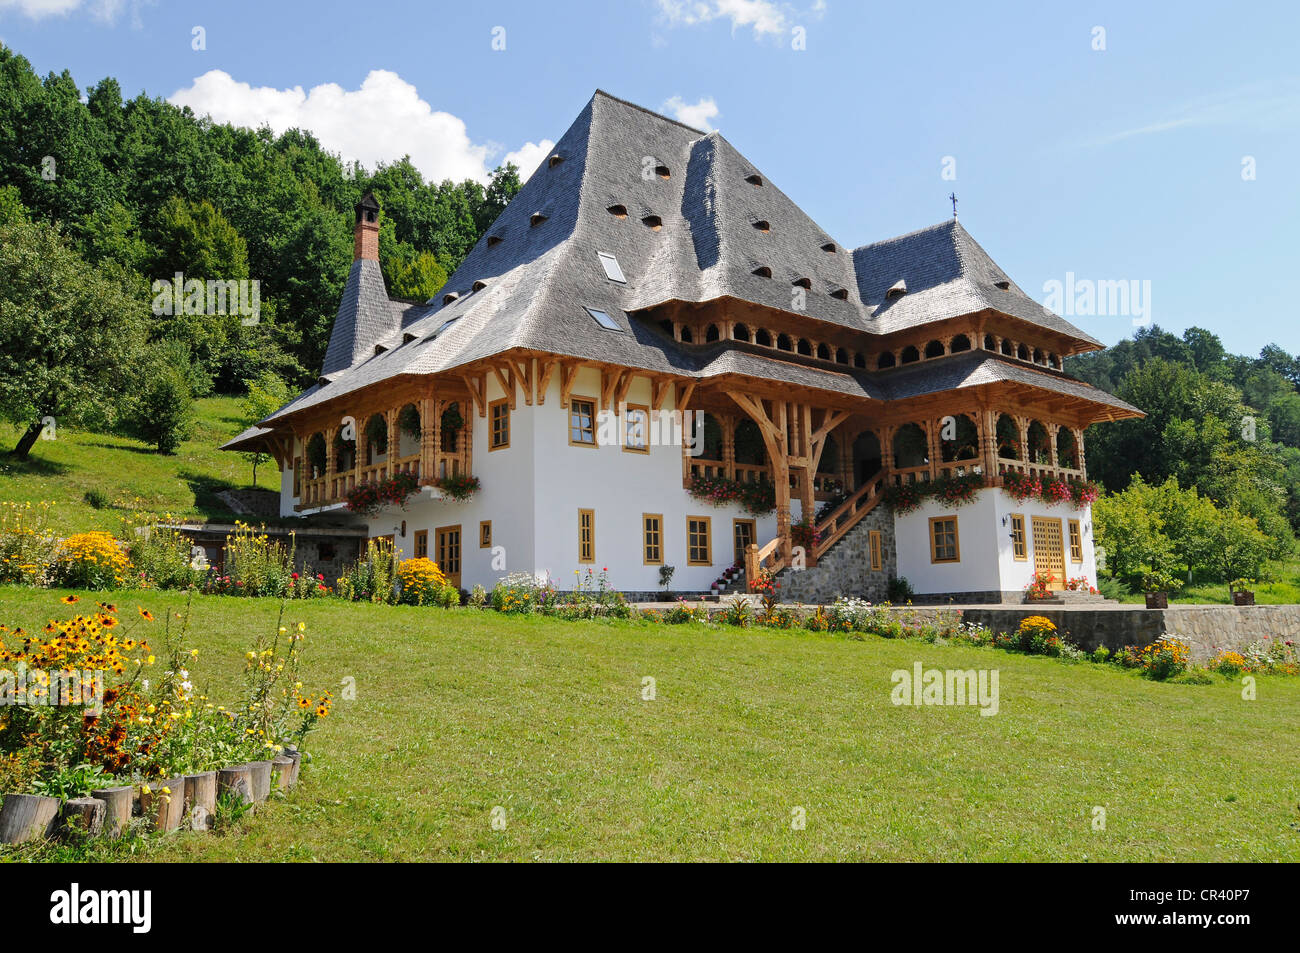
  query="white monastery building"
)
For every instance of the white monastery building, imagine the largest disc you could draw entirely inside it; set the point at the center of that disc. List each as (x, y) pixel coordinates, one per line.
(654, 358)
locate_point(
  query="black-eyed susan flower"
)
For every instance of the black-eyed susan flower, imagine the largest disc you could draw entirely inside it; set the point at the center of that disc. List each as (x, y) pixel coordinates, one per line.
(145, 614)
(70, 600)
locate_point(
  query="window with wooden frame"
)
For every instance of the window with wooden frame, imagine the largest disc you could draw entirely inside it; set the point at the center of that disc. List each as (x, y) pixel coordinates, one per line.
(421, 544)
(485, 534)
(943, 540)
(297, 476)
(586, 536)
(582, 422)
(699, 548)
(448, 542)
(652, 539)
(1076, 542)
(499, 418)
(876, 545)
(743, 533)
(1018, 548)
(636, 428)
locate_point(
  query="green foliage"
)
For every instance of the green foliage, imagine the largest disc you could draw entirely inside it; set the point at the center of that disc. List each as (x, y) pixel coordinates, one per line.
(67, 332)
(371, 578)
(162, 413)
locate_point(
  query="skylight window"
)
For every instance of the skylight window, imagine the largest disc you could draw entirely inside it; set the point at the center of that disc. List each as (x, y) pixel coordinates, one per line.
(612, 270)
(445, 325)
(604, 320)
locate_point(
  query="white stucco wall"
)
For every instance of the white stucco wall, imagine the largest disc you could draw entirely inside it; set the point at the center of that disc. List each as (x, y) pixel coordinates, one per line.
(988, 560)
(533, 489)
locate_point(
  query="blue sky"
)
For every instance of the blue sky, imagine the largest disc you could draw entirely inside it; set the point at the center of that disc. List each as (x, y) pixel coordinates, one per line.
(1123, 163)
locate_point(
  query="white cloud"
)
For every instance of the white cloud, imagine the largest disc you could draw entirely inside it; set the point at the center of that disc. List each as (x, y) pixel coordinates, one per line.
(38, 9)
(105, 10)
(529, 156)
(380, 122)
(764, 17)
(699, 114)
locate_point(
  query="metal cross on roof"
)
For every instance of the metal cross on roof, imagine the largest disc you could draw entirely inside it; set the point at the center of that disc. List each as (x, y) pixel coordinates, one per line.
(952, 197)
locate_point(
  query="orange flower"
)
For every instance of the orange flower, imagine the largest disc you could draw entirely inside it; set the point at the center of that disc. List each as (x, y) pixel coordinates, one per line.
(145, 614)
(108, 607)
(107, 621)
(70, 600)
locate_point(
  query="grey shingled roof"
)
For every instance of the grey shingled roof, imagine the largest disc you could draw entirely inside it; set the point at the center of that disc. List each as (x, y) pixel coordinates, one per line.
(539, 278)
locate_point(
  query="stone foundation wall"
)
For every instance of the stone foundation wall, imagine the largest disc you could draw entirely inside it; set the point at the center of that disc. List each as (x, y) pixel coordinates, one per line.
(846, 569)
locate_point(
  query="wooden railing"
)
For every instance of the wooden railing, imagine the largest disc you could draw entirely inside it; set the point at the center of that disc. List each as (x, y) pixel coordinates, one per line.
(902, 475)
(324, 490)
(847, 515)
(1044, 471)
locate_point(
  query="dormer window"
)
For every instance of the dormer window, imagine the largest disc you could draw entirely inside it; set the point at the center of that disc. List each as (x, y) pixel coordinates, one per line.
(408, 337)
(536, 219)
(449, 297)
(841, 293)
(763, 225)
(897, 289)
(1003, 284)
(379, 349)
(494, 240)
(322, 381)
(479, 285)
(802, 283)
(554, 160)
(662, 171)
(653, 222)
(829, 247)
(618, 211)
(763, 271)
(754, 179)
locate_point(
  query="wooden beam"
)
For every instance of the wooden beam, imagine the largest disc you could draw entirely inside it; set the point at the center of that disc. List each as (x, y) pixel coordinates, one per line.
(544, 381)
(507, 382)
(568, 371)
(477, 392)
(658, 392)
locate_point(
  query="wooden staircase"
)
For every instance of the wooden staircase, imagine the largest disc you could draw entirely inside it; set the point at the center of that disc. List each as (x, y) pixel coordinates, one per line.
(829, 531)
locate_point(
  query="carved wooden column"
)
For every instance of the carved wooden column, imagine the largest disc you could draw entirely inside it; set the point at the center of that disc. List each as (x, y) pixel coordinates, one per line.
(394, 439)
(1052, 430)
(807, 496)
(1078, 450)
(932, 444)
(363, 441)
(781, 475)
(428, 438)
(1022, 425)
(728, 422)
(331, 461)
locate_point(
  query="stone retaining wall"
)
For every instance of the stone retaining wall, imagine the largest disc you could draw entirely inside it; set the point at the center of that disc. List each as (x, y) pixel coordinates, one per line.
(846, 569)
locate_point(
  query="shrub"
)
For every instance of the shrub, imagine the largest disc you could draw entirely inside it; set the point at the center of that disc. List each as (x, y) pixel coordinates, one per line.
(737, 612)
(522, 592)
(592, 596)
(1229, 663)
(478, 597)
(163, 411)
(900, 590)
(97, 498)
(420, 581)
(90, 561)
(256, 565)
(162, 559)
(1165, 658)
(371, 577)
(27, 545)
(448, 597)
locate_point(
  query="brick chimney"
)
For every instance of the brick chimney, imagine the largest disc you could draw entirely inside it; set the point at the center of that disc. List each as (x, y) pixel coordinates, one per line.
(366, 235)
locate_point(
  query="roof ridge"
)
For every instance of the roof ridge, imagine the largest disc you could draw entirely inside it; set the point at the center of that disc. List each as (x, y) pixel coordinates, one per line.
(644, 109)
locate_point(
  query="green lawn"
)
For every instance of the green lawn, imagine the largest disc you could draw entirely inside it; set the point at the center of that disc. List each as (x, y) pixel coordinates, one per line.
(131, 473)
(1283, 588)
(459, 712)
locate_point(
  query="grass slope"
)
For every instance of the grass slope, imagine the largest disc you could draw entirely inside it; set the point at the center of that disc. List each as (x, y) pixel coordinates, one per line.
(458, 712)
(184, 485)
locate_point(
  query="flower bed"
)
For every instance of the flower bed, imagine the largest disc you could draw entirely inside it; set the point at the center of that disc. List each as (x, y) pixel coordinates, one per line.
(92, 711)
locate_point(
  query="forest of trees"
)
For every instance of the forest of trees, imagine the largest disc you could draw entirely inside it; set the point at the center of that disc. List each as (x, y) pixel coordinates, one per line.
(1219, 428)
(101, 196)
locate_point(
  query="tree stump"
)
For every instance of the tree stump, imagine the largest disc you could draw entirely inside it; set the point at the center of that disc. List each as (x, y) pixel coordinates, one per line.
(117, 809)
(84, 815)
(260, 777)
(237, 778)
(25, 817)
(201, 799)
(284, 769)
(167, 809)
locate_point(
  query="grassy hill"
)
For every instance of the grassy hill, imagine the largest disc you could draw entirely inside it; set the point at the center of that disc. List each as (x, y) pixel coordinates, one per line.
(460, 711)
(132, 475)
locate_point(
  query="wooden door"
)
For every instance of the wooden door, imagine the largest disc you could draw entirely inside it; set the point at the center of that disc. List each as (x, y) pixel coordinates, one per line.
(449, 553)
(1049, 549)
(743, 535)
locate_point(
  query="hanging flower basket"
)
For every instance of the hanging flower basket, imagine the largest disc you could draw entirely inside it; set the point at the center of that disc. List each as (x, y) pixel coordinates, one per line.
(758, 499)
(1056, 491)
(1084, 492)
(905, 497)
